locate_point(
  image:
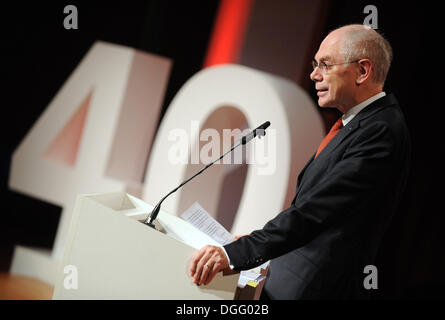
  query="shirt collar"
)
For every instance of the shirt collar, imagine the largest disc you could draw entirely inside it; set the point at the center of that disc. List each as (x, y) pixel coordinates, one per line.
(348, 116)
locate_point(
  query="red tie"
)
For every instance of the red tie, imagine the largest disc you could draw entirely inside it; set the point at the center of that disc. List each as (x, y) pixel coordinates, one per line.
(334, 130)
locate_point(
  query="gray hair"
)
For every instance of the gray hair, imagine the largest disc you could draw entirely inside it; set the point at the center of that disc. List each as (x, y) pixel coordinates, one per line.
(362, 42)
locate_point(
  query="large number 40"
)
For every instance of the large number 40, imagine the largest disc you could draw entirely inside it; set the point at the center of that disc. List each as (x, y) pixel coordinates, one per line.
(97, 133)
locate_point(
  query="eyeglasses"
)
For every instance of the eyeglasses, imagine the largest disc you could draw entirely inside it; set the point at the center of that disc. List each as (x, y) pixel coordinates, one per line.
(325, 67)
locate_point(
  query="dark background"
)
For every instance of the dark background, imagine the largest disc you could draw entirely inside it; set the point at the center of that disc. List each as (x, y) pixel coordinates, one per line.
(38, 55)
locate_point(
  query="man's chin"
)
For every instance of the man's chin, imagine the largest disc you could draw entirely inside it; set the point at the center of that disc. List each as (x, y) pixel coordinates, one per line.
(325, 104)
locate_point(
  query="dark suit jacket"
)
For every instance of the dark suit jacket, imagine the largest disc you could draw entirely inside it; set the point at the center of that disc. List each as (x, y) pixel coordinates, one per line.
(344, 201)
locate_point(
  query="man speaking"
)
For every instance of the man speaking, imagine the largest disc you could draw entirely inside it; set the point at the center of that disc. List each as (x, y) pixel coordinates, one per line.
(347, 192)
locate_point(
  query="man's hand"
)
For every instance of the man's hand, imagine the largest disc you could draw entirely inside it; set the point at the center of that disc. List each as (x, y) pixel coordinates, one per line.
(206, 263)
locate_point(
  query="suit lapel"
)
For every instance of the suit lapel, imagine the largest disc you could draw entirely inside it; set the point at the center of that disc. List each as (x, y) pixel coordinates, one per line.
(300, 176)
(342, 134)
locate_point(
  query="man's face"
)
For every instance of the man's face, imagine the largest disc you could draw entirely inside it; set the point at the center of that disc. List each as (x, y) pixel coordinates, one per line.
(336, 85)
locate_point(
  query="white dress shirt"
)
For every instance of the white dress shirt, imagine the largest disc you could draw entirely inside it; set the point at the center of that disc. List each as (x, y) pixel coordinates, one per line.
(351, 113)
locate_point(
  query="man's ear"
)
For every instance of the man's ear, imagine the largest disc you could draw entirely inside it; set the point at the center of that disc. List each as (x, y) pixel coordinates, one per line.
(364, 71)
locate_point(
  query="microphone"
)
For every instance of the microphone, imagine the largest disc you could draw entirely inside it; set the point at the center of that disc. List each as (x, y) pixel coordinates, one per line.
(260, 131)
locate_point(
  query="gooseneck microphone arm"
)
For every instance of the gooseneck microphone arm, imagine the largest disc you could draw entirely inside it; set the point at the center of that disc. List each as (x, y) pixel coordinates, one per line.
(260, 131)
(156, 209)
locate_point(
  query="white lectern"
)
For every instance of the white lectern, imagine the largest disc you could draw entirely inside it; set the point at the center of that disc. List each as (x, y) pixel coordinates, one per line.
(111, 254)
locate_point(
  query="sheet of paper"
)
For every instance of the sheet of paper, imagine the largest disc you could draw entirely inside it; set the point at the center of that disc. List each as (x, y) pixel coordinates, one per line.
(198, 217)
(250, 275)
(261, 267)
(201, 219)
(242, 282)
(247, 277)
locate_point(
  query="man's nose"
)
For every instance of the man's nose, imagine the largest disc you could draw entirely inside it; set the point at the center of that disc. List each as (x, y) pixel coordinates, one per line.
(316, 75)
